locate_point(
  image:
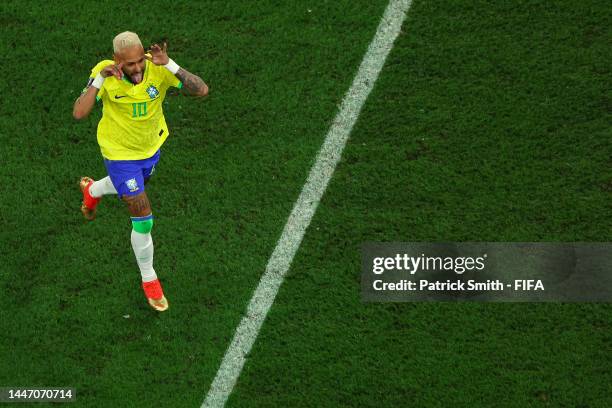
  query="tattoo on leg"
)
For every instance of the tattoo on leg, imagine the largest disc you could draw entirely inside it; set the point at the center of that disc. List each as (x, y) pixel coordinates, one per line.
(138, 205)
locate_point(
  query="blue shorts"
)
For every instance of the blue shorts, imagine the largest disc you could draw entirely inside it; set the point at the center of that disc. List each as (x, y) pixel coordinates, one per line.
(128, 176)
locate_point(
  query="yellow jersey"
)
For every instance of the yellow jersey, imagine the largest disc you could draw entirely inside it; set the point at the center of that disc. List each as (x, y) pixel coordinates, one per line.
(133, 126)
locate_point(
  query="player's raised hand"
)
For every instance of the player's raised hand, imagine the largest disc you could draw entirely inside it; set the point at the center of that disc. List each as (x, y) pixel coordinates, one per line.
(158, 55)
(113, 69)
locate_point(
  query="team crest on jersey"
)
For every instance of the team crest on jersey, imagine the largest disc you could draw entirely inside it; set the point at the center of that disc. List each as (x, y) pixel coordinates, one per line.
(132, 185)
(152, 91)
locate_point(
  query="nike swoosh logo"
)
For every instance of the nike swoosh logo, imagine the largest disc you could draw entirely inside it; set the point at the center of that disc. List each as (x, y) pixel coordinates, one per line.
(119, 97)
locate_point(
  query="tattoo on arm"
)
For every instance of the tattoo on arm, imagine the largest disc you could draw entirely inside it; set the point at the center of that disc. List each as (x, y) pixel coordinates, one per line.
(192, 84)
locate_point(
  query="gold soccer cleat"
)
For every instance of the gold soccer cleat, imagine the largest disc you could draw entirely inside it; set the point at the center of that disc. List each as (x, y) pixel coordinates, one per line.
(155, 295)
(89, 204)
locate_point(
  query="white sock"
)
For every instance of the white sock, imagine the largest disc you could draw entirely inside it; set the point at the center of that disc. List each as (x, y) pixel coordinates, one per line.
(142, 244)
(102, 187)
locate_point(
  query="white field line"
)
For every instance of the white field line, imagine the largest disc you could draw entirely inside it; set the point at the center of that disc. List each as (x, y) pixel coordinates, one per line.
(304, 208)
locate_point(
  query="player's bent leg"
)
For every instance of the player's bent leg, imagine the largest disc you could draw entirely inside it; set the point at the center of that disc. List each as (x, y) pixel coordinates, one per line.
(89, 203)
(102, 187)
(92, 194)
(142, 244)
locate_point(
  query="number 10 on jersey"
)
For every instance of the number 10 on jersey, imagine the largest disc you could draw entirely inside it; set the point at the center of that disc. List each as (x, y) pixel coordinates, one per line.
(139, 109)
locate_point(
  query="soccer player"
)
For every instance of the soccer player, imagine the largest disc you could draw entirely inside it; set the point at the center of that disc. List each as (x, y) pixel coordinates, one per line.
(130, 134)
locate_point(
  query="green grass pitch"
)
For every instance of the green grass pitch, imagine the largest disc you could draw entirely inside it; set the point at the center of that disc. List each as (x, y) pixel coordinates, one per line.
(489, 122)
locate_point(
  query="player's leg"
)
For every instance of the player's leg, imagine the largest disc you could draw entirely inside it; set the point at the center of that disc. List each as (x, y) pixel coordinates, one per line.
(119, 171)
(102, 187)
(92, 193)
(142, 244)
(94, 190)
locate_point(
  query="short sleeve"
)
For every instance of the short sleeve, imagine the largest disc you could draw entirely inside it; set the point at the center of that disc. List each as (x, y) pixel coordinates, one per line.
(94, 72)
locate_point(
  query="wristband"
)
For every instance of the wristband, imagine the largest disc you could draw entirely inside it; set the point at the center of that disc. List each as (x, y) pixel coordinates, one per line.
(172, 66)
(98, 81)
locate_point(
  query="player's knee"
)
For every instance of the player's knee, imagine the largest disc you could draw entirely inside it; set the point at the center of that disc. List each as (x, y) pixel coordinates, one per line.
(143, 225)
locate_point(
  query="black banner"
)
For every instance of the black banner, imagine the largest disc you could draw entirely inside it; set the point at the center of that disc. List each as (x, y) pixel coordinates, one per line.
(486, 272)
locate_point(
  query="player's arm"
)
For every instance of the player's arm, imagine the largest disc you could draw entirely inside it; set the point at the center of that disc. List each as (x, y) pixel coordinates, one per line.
(85, 102)
(193, 85)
